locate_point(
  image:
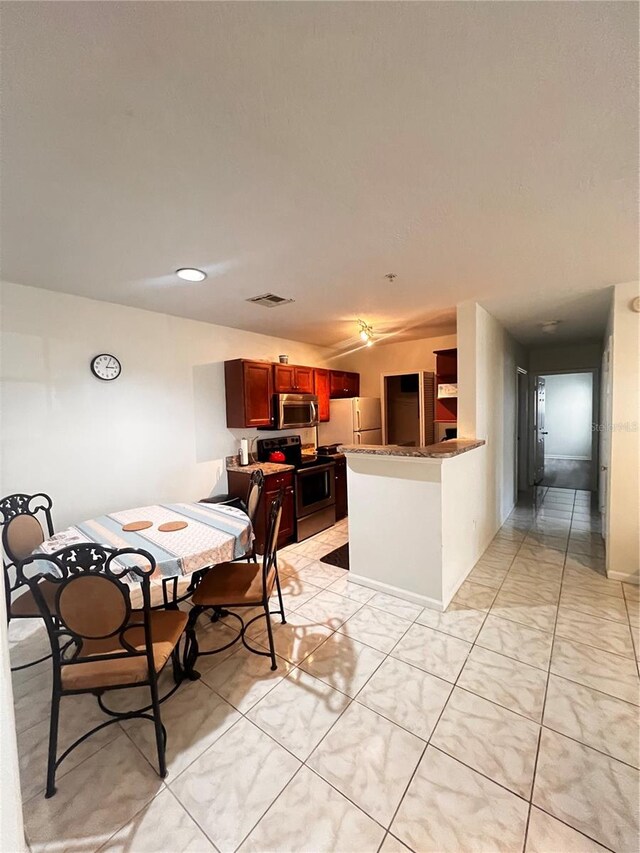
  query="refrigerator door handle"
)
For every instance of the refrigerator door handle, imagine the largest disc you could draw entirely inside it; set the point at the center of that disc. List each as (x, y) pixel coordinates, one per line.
(358, 419)
(358, 438)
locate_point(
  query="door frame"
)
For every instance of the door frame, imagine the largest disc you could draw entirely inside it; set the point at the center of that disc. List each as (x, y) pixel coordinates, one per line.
(521, 433)
(383, 402)
(595, 414)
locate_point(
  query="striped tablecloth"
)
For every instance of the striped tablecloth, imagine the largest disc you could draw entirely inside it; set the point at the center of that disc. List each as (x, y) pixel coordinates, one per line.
(214, 533)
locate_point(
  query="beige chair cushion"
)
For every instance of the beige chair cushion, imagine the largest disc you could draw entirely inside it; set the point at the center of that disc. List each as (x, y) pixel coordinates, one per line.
(23, 535)
(26, 607)
(232, 583)
(166, 629)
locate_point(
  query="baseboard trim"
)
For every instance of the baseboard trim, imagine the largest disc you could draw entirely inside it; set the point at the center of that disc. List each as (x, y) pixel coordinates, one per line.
(399, 592)
(626, 577)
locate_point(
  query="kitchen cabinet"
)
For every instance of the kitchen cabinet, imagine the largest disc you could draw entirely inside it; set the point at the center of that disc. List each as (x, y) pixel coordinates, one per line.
(250, 386)
(344, 384)
(249, 393)
(238, 485)
(446, 386)
(321, 385)
(341, 488)
(292, 379)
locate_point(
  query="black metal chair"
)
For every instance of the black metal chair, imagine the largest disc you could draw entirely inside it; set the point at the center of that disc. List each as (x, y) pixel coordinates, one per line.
(239, 585)
(249, 504)
(98, 641)
(22, 533)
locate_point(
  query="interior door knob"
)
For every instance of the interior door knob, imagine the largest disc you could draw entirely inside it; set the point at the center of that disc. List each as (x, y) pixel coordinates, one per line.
(544, 432)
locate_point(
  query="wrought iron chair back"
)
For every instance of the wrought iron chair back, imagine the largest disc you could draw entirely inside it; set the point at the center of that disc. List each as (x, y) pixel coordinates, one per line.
(22, 530)
(271, 542)
(93, 614)
(254, 492)
(90, 620)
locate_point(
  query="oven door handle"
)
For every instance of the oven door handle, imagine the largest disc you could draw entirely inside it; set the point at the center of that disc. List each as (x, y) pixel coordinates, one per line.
(315, 469)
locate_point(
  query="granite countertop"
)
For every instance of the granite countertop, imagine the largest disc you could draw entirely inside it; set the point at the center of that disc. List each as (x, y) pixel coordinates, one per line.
(442, 450)
(266, 467)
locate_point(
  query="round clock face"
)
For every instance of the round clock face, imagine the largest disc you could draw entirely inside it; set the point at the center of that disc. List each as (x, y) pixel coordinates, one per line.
(106, 366)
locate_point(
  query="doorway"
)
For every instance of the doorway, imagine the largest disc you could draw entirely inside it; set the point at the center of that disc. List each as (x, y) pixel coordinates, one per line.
(565, 441)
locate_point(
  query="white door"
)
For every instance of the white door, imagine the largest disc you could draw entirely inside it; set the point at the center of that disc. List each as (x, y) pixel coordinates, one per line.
(366, 413)
(605, 437)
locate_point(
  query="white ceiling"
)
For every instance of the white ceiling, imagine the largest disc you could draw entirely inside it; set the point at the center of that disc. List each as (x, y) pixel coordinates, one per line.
(479, 150)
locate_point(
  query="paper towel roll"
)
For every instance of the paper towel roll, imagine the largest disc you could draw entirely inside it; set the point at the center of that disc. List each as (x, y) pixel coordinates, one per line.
(244, 451)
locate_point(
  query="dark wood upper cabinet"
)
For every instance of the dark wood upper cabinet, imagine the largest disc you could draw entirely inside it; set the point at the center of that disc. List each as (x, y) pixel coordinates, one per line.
(292, 379)
(304, 380)
(249, 393)
(344, 384)
(250, 386)
(284, 378)
(322, 392)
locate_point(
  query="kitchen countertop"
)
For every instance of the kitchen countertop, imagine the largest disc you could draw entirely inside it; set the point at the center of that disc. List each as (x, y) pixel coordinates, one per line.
(266, 467)
(442, 450)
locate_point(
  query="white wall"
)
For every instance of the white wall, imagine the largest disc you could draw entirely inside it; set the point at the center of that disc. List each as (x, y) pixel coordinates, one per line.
(487, 408)
(403, 357)
(580, 356)
(568, 415)
(623, 544)
(11, 829)
(158, 433)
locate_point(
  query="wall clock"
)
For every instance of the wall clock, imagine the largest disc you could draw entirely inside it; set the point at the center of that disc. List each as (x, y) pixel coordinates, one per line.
(106, 366)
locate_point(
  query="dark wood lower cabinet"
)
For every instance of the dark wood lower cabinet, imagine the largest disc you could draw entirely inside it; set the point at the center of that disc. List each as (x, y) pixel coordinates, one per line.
(341, 489)
(238, 484)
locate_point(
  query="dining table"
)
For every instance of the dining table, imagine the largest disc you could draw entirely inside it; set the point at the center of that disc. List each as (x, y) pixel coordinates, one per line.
(181, 537)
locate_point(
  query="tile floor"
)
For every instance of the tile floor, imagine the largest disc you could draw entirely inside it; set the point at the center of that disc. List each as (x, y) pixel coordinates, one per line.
(507, 723)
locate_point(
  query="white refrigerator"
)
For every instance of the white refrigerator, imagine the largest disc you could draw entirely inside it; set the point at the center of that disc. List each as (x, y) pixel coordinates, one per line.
(357, 420)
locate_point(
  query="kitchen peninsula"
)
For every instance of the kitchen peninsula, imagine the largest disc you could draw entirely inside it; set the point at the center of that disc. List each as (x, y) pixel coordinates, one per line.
(413, 517)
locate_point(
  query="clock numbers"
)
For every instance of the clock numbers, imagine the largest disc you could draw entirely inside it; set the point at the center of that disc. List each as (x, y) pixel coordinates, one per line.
(106, 366)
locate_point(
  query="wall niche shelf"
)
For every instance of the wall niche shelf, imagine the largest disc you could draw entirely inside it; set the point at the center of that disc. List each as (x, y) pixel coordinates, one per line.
(447, 380)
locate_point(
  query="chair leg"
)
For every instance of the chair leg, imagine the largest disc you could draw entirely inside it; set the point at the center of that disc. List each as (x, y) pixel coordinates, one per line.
(274, 665)
(161, 735)
(191, 645)
(284, 621)
(53, 742)
(178, 671)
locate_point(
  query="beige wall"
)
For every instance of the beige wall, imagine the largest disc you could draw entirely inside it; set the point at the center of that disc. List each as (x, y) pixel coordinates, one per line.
(158, 433)
(405, 356)
(487, 408)
(582, 356)
(623, 544)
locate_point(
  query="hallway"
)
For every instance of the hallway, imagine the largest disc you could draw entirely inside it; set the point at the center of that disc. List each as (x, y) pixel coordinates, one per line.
(567, 474)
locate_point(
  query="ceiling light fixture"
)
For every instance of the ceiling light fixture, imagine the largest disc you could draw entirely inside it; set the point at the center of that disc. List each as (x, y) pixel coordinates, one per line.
(549, 327)
(191, 274)
(366, 332)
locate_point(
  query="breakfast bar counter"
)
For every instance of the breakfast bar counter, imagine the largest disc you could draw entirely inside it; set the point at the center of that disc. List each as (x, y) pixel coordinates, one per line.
(413, 513)
(442, 450)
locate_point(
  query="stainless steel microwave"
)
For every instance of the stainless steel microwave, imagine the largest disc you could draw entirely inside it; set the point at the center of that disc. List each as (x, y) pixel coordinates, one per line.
(293, 411)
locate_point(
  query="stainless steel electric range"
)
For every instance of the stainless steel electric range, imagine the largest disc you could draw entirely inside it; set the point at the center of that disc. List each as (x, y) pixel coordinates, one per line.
(314, 484)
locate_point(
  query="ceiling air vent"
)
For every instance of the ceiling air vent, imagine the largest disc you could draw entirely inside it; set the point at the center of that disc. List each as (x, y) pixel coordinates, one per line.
(269, 300)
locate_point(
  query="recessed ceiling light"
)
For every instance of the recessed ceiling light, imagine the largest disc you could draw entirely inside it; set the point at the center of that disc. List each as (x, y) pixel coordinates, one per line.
(191, 274)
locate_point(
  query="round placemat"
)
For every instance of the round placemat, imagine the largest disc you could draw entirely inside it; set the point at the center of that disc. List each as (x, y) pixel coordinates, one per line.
(169, 526)
(137, 525)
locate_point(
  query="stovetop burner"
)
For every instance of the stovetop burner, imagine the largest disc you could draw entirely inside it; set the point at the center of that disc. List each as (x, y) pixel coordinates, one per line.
(291, 446)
